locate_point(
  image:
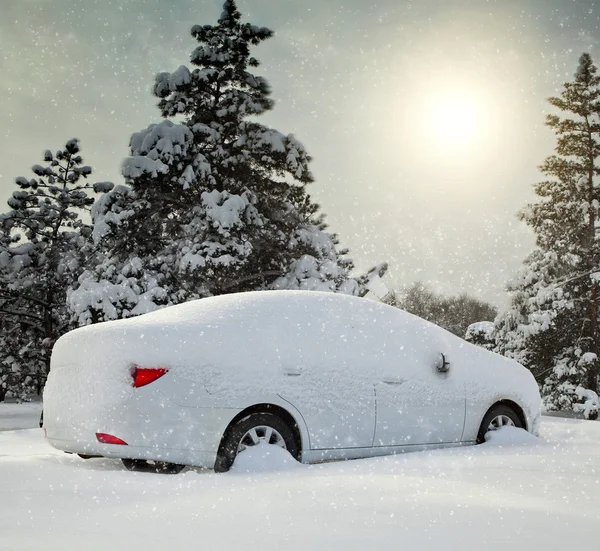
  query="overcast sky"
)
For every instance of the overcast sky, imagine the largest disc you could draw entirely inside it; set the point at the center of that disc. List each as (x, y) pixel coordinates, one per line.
(360, 83)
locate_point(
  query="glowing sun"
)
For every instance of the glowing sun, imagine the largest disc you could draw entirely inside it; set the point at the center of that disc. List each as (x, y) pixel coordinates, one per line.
(454, 120)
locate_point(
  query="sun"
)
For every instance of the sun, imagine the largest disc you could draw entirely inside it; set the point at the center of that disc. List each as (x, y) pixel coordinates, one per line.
(453, 121)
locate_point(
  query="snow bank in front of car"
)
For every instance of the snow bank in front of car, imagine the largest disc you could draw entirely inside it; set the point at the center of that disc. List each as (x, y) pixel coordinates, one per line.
(511, 436)
(264, 458)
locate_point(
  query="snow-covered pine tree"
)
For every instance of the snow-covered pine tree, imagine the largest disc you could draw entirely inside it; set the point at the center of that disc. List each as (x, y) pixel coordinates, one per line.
(552, 325)
(42, 243)
(216, 203)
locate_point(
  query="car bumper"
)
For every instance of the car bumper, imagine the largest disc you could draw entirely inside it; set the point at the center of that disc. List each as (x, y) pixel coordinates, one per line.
(193, 458)
(153, 426)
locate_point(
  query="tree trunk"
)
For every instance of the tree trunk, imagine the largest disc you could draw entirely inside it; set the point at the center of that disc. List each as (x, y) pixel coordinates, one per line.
(592, 375)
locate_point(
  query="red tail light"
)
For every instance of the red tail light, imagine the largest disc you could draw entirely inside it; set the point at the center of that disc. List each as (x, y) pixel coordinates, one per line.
(143, 376)
(109, 439)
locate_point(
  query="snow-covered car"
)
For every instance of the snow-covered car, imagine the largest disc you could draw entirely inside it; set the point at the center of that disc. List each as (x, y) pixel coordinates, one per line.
(326, 376)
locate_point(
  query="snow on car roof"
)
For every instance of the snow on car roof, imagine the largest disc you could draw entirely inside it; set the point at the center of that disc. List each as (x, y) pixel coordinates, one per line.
(253, 302)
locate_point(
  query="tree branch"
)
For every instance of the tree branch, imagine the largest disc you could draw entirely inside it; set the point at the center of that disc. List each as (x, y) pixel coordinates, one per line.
(20, 313)
(23, 296)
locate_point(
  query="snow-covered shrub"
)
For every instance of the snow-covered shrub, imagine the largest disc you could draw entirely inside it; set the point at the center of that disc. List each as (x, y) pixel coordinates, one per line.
(481, 333)
(590, 405)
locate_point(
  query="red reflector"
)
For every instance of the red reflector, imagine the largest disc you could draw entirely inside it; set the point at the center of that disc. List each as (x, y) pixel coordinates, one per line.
(109, 439)
(145, 375)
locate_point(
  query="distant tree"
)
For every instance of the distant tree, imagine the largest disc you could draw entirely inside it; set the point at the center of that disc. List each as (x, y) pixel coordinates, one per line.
(553, 323)
(459, 312)
(42, 243)
(420, 300)
(216, 203)
(455, 313)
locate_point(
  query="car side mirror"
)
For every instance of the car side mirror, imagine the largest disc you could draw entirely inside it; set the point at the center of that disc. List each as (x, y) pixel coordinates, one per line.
(442, 365)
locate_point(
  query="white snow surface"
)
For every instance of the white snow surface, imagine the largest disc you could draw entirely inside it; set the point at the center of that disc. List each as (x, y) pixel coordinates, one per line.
(514, 492)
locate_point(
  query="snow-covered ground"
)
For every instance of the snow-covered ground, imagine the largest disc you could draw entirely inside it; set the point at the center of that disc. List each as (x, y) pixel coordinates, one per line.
(515, 492)
(20, 416)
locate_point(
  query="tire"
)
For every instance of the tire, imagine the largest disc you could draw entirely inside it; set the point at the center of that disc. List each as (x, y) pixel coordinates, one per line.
(496, 412)
(143, 466)
(234, 435)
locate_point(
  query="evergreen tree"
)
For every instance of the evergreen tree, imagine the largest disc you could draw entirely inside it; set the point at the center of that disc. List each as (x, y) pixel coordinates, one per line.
(552, 326)
(42, 242)
(216, 203)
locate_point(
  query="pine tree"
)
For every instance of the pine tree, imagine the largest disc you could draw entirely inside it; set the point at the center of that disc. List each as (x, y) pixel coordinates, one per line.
(216, 203)
(552, 326)
(42, 241)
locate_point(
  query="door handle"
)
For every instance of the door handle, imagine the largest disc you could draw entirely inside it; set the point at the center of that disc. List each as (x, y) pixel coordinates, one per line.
(392, 381)
(291, 373)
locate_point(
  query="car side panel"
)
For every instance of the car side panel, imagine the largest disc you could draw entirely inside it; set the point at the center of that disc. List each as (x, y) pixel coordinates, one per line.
(335, 418)
(188, 394)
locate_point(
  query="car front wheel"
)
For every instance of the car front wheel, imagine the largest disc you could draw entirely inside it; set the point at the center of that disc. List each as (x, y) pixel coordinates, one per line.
(497, 417)
(255, 429)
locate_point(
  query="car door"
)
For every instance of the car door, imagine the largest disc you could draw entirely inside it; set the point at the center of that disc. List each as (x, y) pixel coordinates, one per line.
(325, 381)
(420, 399)
(339, 412)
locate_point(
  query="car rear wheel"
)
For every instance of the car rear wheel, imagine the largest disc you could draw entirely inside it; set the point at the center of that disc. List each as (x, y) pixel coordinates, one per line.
(141, 465)
(497, 417)
(255, 429)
